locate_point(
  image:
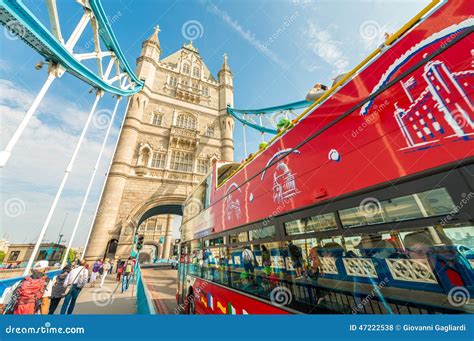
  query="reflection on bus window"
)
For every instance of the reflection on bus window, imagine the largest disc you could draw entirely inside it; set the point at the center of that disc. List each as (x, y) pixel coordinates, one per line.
(322, 222)
(263, 232)
(460, 234)
(414, 206)
(239, 237)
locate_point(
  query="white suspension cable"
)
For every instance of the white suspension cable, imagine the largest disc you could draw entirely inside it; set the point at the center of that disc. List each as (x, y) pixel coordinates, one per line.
(261, 125)
(245, 142)
(105, 182)
(6, 153)
(86, 196)
(61, 187)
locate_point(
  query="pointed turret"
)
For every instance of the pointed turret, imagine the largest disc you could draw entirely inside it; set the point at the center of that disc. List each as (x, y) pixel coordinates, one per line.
(150, 55)
(154, 37)
(226, 98)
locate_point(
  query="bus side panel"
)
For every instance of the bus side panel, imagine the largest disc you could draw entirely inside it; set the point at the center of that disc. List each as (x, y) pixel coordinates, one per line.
(214, 299)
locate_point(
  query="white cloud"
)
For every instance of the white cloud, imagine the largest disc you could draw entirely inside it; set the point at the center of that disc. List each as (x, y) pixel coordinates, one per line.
(246, 35)
(321, 42)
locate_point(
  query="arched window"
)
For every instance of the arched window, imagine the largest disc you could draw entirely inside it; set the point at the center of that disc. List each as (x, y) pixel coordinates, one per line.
(186, 69)
(186, 121)
(181, 161)
(158, 160)
(173, 81)
(196, 72)
(157, 119)
(210, 131)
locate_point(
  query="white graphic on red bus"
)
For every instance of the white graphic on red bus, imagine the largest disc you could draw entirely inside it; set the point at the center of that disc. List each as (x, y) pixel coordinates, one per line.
(441, 108)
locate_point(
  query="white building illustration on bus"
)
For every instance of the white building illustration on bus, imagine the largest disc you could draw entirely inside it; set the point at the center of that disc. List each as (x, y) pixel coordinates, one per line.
(444, 108)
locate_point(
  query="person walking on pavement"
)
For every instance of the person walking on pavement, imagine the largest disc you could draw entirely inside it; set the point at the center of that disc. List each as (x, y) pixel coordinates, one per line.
(119, 262)
(27, 296)
(96, 269)
(77, 279)
(58, 289)
(105, 270)
(127, 274)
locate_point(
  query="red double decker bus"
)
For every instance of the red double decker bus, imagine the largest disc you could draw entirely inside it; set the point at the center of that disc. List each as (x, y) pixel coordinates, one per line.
(364, 205)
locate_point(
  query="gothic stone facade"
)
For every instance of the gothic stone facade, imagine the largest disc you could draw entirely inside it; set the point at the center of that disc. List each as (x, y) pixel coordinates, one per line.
(173, 130)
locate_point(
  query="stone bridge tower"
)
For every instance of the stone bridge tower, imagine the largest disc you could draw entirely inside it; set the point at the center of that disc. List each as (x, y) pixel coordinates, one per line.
(173, 129)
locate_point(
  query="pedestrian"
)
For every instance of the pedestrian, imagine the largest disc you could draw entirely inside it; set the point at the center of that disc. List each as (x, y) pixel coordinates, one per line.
(248, 258)
(296, 256)
(76, 280)
(96, 269)
(27, 295)
(112, 264)
(119, 262)
(266, 261)
(127, 274)
(316, 266)
(58, 289)
(105, 270)
(119, 271)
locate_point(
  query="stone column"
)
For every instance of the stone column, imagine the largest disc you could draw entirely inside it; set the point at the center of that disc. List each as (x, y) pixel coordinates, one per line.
(106, 219)
(168, 237)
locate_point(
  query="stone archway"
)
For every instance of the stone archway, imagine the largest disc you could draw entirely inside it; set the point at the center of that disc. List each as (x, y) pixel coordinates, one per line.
(149, 253)
(153, 207)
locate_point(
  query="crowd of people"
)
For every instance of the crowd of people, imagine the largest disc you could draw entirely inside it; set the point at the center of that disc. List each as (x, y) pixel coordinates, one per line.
(37, 293)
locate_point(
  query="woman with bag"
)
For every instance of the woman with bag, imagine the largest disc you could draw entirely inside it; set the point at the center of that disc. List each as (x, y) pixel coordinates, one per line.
(76, 280)
(58, 291)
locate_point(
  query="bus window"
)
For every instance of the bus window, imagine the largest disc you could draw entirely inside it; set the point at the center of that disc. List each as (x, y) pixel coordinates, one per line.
(460, 234)
(215, 241)
(322, 222)
(263, 232)
(298, 260)
(421, 205)
(239, 238)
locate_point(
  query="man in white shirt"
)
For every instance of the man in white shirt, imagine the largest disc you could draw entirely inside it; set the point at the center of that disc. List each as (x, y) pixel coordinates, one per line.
(106, 269)
(77, 279)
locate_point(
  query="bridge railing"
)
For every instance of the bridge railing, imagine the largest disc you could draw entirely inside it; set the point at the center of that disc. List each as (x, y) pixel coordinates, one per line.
(6, 285)
(144, 301)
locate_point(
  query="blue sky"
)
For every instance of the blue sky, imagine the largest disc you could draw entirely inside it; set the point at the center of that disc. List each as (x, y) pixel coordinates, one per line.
(277, 50)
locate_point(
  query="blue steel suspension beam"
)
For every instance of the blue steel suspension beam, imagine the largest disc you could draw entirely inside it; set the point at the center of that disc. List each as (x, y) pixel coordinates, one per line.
(36, 35)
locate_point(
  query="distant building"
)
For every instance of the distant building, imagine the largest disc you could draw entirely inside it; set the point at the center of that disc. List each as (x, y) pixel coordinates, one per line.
(20, 253)
(4, 245)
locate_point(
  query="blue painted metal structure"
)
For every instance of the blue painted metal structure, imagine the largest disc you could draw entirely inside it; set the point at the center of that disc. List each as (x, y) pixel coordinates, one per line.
(238, 114)
(36, 35)
(8, 282)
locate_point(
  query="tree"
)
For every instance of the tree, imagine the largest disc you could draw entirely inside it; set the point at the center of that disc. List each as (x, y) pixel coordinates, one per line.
(2, 256)
(71, 256)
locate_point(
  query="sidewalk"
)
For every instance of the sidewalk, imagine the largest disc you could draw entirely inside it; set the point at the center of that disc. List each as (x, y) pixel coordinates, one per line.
(105, 300)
